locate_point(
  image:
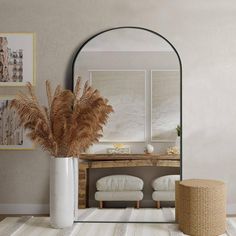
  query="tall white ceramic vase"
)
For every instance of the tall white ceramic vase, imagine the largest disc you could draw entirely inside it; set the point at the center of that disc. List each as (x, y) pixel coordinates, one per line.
(61, 192)
(76, 190)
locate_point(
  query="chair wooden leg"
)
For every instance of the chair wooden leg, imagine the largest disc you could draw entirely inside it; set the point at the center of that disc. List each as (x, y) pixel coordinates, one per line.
(158, 204)
(137, 204)
(101, 204)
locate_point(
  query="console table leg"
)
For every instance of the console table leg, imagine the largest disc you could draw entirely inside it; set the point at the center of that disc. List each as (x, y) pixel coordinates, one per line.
(83, 182)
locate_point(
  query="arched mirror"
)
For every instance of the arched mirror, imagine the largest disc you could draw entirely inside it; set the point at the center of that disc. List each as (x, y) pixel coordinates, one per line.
(130, 174)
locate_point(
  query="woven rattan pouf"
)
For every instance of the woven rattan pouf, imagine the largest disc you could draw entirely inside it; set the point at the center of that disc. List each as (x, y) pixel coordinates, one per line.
(201, 207)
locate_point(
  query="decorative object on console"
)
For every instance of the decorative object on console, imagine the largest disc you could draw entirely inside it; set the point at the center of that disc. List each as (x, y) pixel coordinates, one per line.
(165, 103)
(201, 207)
(67, 127)
(119, 148)
(178, 129)
(164, 188)
(119, 188)
(173, 151)
(17, 59)
(149, 149)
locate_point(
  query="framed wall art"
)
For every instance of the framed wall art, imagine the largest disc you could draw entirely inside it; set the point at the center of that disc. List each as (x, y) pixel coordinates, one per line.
(12, 135)
(165, 105)
(125, 90)
(17, 59)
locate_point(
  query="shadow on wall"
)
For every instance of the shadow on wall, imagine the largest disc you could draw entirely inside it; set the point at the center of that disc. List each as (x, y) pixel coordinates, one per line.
(68, 84)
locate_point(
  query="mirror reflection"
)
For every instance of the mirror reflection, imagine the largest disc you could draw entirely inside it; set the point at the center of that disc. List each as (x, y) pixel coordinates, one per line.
(130, 174)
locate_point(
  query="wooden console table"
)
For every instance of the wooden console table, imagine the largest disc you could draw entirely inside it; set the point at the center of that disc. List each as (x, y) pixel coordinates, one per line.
(91, 161)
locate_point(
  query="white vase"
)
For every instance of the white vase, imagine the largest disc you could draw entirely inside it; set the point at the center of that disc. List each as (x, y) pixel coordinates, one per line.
(149, 148)
(76, 184)
(61, 192)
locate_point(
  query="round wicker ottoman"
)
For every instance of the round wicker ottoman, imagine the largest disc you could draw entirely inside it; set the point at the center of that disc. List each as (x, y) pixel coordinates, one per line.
(201, 207)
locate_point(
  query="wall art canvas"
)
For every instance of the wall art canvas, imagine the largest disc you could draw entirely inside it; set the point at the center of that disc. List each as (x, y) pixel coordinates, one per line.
(125, 91)
(165, 105)
(12, 136)
(17, 59)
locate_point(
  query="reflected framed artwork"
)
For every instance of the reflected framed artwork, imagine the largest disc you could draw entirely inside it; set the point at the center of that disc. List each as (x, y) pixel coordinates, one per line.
(165, 105)
(125, 90)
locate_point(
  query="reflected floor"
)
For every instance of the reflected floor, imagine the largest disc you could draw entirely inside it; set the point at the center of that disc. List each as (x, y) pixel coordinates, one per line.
(126, 215)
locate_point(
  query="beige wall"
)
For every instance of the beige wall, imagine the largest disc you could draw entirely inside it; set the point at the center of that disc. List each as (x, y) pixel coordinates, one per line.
(204, 33)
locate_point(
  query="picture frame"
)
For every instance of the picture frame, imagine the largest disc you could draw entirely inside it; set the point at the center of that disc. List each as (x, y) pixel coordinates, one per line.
(164, 130)
(110, 134)
(12, 135)
(17, 59)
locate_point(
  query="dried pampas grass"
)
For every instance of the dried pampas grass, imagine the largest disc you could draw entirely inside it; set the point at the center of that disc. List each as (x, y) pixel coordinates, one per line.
(69, 124)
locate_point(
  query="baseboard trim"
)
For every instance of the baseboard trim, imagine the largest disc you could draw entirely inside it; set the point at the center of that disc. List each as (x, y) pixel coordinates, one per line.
(231, 209)
(33, 209)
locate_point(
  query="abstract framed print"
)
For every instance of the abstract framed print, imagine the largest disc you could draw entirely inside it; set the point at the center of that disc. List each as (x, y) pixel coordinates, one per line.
(125, 90)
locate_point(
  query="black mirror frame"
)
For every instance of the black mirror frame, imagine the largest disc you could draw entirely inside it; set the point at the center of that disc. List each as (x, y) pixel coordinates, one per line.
(181, 99)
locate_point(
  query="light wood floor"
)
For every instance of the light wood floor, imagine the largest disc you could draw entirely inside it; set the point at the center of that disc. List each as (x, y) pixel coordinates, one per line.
(40, 226)
(127, 215)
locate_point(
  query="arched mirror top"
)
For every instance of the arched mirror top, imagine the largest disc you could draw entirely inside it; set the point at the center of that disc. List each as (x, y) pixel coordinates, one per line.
(126, 39)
